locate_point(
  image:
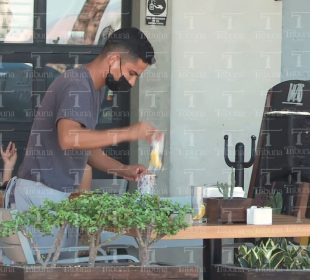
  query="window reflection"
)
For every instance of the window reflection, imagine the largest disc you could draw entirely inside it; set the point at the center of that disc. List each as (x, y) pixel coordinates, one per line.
(82, 22)
(16, 21)
(16, 92)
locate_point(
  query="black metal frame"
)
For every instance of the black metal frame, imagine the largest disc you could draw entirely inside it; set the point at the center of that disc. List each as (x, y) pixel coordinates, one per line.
(211, 254)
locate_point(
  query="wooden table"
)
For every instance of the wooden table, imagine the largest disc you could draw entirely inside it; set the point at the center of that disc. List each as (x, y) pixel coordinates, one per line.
(211, 234)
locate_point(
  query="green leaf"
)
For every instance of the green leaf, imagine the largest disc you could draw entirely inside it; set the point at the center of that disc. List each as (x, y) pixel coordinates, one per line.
(276, 259)
(243, 262)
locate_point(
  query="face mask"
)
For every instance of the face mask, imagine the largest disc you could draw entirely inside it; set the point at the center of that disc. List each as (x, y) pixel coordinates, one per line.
(121, 85)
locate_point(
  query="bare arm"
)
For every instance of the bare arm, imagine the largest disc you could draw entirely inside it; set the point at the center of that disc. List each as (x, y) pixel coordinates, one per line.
(71, 135)
(103, 162)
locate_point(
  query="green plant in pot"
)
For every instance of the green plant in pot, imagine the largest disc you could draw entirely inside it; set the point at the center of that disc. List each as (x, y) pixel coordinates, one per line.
(270, 259)
(274, 254)
(276, 202)
(227, 190)
(91, 212)
(36, 218)
(227, 209)
(147, 217)
(152, 218)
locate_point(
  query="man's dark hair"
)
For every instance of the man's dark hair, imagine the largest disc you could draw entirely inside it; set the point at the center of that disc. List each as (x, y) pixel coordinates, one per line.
(131, 41)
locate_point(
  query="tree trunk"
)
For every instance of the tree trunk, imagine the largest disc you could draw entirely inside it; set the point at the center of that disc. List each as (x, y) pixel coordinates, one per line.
(35, 248)
(57, 245)
(144, 255)
(92, 251)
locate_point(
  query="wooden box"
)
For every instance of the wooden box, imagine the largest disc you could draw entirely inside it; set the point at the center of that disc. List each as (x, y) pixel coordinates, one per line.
(219, 210)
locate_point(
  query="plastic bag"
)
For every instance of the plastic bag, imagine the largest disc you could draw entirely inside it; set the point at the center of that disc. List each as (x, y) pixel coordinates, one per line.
(156, 154)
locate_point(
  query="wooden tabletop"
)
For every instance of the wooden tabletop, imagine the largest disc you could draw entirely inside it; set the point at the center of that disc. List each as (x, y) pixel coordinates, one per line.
(283, 226)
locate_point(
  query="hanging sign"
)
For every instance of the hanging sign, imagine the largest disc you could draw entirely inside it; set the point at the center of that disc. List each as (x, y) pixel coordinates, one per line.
(156, 12)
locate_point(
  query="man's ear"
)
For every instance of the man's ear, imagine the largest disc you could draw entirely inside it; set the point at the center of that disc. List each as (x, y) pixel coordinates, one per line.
(112, 57)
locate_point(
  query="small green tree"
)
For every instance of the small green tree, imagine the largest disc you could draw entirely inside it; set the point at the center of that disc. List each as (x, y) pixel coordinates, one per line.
(94, 213)
(38, 218)
(152, 218)
(91, 212)
(147, 216)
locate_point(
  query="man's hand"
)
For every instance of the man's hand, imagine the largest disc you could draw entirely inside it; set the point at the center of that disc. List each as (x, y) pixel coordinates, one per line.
(9, 156)
(143, 131)
(103, 162)
(133, 172)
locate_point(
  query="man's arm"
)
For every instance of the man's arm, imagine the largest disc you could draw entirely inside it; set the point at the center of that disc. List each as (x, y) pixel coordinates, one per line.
(103, 162)
(71, 135)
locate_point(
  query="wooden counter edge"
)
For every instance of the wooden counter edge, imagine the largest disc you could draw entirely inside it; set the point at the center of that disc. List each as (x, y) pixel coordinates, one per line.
(283, 226)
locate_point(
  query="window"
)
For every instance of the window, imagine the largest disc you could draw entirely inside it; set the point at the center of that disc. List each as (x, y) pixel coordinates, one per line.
(81, 22)
(16, 88)
(17, 21)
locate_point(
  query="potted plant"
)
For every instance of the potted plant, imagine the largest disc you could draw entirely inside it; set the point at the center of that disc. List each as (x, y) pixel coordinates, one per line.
(227, 209)
(273, 198)
(270, 259)
(145, 216)
(276, 203)
(151, 218)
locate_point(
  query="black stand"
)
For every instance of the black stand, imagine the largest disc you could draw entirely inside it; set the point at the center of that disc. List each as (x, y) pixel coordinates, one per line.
(239, 163)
